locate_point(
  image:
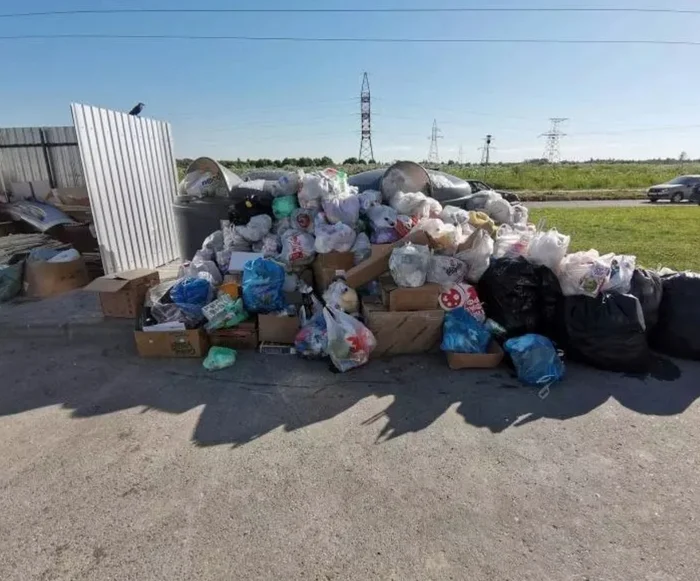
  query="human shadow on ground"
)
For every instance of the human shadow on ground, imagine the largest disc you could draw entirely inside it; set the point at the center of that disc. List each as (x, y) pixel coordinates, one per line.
(264, 393)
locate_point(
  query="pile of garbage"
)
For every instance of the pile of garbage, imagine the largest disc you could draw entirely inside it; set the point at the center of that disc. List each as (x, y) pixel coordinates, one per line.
(350, 274)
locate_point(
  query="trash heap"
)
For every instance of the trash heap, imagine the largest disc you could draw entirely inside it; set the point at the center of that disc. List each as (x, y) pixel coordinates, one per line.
(323, 270)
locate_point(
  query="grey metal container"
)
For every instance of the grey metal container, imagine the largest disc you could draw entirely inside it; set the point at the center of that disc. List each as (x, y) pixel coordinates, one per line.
(195, 219)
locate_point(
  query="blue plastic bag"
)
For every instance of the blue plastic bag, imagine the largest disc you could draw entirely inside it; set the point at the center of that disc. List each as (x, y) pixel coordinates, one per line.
(263, 286)
(191, 294)
(536, 360)
(462, 333)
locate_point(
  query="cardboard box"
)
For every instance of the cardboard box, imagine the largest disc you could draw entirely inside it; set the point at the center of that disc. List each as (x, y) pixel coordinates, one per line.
(326, 265)
(400, 333)
(189, 343)
(122, 293)
(422, 298)
(46, 279)
(378, 263)
(492, 358)
(276, 329)
(242, 336)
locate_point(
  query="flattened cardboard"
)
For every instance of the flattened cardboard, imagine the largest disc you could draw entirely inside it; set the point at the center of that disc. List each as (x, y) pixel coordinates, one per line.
(190, 343)
(400, 333)
(396, 298)
(326, 265)
(378, 263)
(242, 336)
(238, 260)
(488, 360)
(123, 293)
(275, 329)
(46, 279)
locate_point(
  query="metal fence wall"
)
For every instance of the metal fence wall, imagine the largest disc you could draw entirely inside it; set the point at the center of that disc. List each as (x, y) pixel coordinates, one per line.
(131, 179)
(40, 153)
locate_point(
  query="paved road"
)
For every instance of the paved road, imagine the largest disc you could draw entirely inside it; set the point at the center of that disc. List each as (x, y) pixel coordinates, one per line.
(600, 204)
(115, 467)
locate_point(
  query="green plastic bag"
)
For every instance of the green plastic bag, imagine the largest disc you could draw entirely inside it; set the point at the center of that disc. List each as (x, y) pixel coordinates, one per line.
(283, 206)
(220, 358)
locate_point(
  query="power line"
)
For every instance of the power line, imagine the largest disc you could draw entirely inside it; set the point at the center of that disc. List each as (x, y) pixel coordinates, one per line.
(435, 134)
(486, 150)
(551, 148)
(106, 11)
(355, 39)
(366, 150)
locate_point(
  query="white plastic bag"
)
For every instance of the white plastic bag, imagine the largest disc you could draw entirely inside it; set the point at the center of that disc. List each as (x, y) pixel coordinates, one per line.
(362, 249)
(369, 198)
(256, 228)
(548, 248)
(215, 241)
(297, 248)
(446, 270)
(583, 273)
(476, 254)
(350, 343)
(382, 217)
(520, 214)
(621, 271)
(499, 210)
(409, 265)
(288, 184)
(320, 185)
(443, 237)
(303, 219)
(511, 242)
(454, 215)
(410, 203)
(233, 240)
(345, 209)
(199, 184)
(270, 245)
(198, 268)
(334, 237)
(431, 208)
(339, 295)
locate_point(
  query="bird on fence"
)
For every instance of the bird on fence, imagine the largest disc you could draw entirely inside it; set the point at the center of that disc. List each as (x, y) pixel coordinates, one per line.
(136, 110)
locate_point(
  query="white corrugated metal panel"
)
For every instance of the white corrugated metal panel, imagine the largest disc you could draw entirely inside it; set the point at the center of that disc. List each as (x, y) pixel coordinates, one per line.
(26, 159)
(130, 175)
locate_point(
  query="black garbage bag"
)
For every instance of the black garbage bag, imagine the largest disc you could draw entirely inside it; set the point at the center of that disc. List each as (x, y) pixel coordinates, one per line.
(551, 301)
(510, 293)
(646, 286)
(677, 332)
(242, 211)
(607, 332)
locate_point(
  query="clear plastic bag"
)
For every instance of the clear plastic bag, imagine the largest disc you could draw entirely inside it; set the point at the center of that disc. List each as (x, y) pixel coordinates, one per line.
(215, 241)
(409, 265)
(303, 219)
(219, 358)
(350, 343)
(445, 270)
(263, 283)
(621, 271)
(583, 273)
(520, 214)
(337, 237)
(382, 217)
(224, 312)
(288, 184)
(199, 268)
(548, 248)
(256, 228)
(311, 341)
(499, 210)
(511, 242)
(462, 333)
(476, 254)
(232, 240)
(342, 209)
(362, 248)
(319, 185)
(535, 359)
(340, 296)
(297, 248)
(384, 236)
(270, 245)
(408, 203)
(443, 237)
(454, 215)
(369, 198)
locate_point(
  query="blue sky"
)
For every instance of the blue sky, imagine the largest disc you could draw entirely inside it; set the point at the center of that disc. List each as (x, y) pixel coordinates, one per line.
(230, 99)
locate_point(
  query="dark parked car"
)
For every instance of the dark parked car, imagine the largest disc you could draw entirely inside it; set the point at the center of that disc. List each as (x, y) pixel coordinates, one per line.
(676, 190)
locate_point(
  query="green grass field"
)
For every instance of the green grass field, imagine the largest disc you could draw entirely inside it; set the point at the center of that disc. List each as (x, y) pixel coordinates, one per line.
(658, 236)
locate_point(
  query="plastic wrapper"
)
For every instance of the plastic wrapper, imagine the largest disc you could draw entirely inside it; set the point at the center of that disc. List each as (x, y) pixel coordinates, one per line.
(340, 296)
(536, 361)
(462, 333)
(445, 270)
(369, 198)
(284, 206)
(476, 254)
(362, 248)
(384, 236)
(342, 209)
(548, 248)
(159, 293)
(224, 313)
(404, 224)
(190, 295)
(409, 265)
(270, 245)
(215, 241)
(219, 358)
(677, 332)
(263, 284)
(350, 343)
(583, 273)
(297, 248)
(499, 210)
(303, 219)
(337, 237)
(511, 242)
(462, 296)
(621, 272)
(647, 287)
(607, 332)
(453, 215)
(482, 221)
(256, 228)
(311, 342)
